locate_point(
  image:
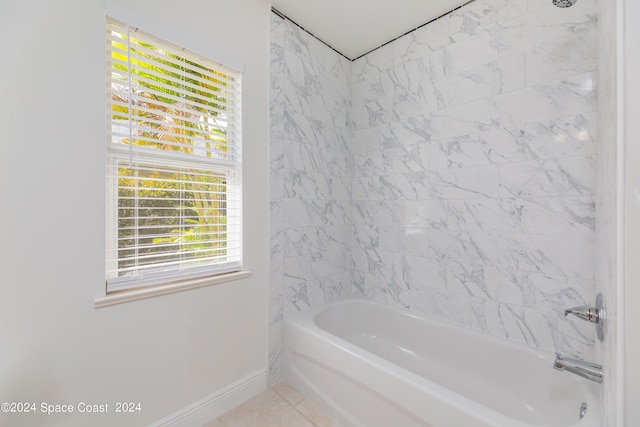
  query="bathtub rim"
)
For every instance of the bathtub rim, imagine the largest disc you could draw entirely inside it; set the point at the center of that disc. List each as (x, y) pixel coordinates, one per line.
(306, 321)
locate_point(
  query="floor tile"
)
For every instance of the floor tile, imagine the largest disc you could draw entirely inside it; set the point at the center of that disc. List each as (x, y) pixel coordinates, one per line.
(261, 411)
(288, 393)
(214, 423)
(317, 416)
(292, 418)
(280, 406)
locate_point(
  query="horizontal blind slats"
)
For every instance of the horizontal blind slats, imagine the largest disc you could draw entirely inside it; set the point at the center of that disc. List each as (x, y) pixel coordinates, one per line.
(117, 32)
(174, 162)
(217, 103)
(179, 73)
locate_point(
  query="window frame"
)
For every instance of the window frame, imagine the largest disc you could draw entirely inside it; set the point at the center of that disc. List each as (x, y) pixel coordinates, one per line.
(161, 282)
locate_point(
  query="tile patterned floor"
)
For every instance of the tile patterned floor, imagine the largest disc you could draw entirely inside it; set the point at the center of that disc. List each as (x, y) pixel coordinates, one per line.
(280, 406)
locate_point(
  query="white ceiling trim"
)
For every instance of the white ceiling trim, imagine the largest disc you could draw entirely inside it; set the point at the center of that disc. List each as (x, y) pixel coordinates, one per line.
(354, 28)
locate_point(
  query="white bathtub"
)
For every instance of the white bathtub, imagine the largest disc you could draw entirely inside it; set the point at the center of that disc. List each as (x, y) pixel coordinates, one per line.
(371, 365)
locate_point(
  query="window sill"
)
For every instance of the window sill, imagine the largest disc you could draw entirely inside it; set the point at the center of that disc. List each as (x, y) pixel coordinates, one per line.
(136, 294)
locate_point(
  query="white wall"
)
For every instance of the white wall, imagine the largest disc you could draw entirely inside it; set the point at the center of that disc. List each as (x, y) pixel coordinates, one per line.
(631, 98)
(165, 352)
(608, 192)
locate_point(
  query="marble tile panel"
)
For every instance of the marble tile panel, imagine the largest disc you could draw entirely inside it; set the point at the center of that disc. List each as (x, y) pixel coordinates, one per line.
(330, 262)
(275, 353)
(371, 101)
(298, 267)
(299, 212)
(373, 212)
(574, 55)
(545, 25)
(571, 337)
(465, 183)
(373, 163)
(299, 85)
(277, 28)
(480, 115)
(427, 214)
(408, 131)
(420, 271)
(501, 320)
(357, 280)
(299, 156)
(332, 102)
(303, 128)
(512, 71)
(468, 247)
(558, 137)
(548, 101)
(276, 150)
(408, 241)
(442, 305)
(554, 294)
(300, 295)
(337, 285)
(339, 68)
(488, 215)
(368, 139)
(367, 188)
(565, 216)
(406, 186)
(470, 53)
(555, 177)
(300, 241)
(276, 244)
(475, 280)
(387, 289)
(419, 44)
(484, 16)
(276, 62)
(304, 185)
(366, 236)
(300, 44)
(480, 148)
(476, 83)
(372, 65)
(415, 89)
(554, 255)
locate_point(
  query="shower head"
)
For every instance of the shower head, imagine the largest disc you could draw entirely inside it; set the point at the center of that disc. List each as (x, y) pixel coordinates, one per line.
(564, 3)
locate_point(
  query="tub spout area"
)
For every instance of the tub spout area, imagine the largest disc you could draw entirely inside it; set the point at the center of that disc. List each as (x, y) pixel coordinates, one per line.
(588, 370)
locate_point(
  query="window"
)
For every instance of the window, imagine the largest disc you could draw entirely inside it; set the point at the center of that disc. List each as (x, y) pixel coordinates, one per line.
(173, 163)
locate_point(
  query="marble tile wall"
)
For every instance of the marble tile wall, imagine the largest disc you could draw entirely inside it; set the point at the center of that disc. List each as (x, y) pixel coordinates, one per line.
(311, 167)
(451, 172)
(475, 170)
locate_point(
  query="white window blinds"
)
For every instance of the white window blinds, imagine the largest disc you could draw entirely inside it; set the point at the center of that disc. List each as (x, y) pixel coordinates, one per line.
(173, 163)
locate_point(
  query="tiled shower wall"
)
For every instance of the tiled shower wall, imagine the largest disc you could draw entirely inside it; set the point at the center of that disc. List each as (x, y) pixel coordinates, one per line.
(475, 170)
(451, 172)
(311, 171)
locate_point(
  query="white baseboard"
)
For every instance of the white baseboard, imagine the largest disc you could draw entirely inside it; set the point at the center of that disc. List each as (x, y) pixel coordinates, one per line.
(212, 406)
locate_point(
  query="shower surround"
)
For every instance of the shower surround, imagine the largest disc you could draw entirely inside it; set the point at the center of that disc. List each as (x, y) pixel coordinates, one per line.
(451, 172)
